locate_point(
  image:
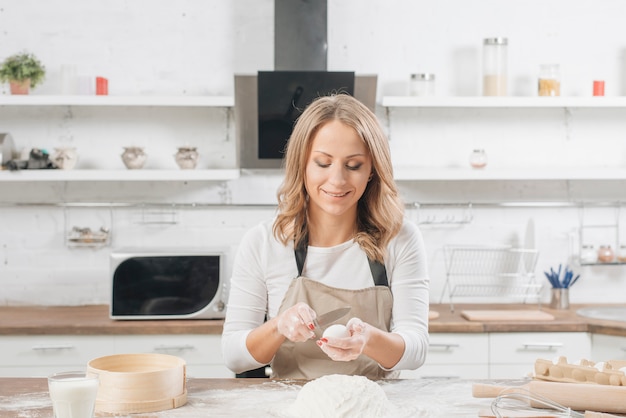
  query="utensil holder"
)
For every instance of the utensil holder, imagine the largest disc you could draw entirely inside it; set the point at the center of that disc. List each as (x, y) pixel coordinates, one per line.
(559, 299)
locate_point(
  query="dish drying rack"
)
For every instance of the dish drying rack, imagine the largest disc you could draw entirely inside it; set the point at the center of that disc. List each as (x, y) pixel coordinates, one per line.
(490, 271)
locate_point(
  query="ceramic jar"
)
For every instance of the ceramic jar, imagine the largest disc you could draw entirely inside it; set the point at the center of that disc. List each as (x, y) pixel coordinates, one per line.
(187, 158)
(605, 254)
(65, 158)
(134, 157)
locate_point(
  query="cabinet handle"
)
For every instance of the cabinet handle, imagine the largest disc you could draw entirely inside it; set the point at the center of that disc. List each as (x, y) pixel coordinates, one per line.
(545, 346)
(42, 347)
(174, 347)
(445, 346)
(440, 377)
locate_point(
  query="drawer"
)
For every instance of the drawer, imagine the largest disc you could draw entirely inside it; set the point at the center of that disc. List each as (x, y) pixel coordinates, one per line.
(53, 350)
(193, 348)
(456, 348)
(607, 347)
(447, 371)
(525, 348)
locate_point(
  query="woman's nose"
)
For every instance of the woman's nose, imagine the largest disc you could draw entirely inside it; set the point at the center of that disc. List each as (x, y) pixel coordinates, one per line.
(337, 175)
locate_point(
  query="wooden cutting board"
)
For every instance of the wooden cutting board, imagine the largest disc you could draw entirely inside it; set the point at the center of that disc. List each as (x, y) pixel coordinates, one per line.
(507, 315)
(433, 314)
(578, 396)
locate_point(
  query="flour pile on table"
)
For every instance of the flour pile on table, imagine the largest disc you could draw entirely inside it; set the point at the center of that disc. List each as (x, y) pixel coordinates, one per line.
(340, 396)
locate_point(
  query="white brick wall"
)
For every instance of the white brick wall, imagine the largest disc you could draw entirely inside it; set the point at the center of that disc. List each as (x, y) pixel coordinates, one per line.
(153, 47)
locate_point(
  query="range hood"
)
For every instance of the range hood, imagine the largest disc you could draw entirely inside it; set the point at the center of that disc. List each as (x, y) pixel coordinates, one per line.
(300, 52)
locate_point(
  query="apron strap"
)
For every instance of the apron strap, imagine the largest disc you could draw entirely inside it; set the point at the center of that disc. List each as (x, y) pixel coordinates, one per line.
(379, 272)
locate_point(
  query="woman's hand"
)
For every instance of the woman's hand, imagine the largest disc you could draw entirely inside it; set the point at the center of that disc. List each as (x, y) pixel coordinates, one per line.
(349, 348)
(296, 323)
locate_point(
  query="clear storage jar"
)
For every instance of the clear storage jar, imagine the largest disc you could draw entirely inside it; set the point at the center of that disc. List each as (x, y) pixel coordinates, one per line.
(422, 84)
(495, 61)
(478, 158)
(588, 254)
(549, 80)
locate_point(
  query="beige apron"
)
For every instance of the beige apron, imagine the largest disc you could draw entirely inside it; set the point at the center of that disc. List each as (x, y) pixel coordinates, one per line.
(306, 360)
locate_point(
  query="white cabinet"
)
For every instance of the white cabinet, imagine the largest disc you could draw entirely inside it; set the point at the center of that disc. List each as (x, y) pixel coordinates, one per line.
(202, 353)
(24, 356)
(607, 347)
(513, 355)
(507, 355)
(454, 356)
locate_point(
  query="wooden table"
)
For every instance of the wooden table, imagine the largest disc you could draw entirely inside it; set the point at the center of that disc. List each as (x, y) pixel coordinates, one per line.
(259, 398)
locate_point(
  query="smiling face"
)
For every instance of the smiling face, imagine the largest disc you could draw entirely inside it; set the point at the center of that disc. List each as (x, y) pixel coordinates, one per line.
(337, 172)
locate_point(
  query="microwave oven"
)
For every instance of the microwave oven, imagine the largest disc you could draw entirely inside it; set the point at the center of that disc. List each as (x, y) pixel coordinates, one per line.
(159, 284)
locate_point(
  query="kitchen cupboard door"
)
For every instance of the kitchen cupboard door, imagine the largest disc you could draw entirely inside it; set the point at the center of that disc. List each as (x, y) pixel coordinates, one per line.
(42, 355)
(512, 355)
(607, 347)
(454, 355)
(202, 353)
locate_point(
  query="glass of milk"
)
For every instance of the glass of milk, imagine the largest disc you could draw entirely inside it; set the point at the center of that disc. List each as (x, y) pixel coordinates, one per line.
(73, 394)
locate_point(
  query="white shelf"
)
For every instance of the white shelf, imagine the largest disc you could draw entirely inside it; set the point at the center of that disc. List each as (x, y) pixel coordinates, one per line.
(504, 102)
(162, 101)
(119, 175)
(496, 174)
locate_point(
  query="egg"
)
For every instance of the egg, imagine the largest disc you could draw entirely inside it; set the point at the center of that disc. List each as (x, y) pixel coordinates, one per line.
(337, 331)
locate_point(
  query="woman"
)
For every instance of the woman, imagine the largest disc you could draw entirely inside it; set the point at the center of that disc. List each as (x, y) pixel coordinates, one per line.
(339, 239)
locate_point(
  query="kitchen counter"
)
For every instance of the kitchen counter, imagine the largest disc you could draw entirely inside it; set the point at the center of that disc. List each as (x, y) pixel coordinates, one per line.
(29, 398)
(94, 320)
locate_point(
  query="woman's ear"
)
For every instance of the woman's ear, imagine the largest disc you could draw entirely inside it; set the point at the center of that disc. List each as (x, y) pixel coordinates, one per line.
(370, 177)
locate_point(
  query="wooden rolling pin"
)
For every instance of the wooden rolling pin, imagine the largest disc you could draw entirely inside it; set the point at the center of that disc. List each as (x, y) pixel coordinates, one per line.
(577, 396)
(538, 414)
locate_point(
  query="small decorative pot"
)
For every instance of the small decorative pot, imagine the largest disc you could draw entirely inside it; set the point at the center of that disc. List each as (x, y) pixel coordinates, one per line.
(134, 157)
(65, 158)
(20, 87)
(187, 158)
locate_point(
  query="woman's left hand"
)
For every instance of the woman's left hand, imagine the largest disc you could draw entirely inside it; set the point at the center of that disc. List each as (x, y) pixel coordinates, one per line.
(348, 348)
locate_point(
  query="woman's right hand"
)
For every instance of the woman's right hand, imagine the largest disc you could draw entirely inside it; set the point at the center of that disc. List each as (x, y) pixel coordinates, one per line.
(296, 323)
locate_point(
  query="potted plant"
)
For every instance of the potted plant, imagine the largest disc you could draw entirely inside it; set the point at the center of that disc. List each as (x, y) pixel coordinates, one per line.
(22, 71)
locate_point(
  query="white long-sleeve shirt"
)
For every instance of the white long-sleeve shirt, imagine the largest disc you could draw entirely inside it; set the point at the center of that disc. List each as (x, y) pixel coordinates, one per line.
(264, 268)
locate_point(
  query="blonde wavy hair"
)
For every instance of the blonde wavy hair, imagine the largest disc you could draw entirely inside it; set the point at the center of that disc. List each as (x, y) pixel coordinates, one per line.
(380, 210)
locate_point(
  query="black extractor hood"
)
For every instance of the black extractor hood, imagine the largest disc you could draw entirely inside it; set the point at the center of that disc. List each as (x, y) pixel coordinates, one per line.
(268, 103)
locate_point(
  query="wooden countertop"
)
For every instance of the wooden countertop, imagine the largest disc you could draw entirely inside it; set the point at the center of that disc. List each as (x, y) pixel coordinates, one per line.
(94, 320)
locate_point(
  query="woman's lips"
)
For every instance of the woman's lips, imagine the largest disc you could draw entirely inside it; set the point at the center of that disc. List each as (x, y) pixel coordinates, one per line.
(340, 194)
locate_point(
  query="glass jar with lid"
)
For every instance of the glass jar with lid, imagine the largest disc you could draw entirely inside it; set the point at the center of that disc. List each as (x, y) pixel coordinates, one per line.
(495, 57)
(621, 254)
(588, 254)
(422, 84)
(478, 158)
(549, 80)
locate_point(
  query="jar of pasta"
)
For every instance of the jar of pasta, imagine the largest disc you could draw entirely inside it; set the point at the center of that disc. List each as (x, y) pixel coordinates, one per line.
(549, 80)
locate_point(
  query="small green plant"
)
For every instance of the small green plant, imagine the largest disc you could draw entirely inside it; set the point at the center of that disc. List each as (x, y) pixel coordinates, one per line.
(22, 66)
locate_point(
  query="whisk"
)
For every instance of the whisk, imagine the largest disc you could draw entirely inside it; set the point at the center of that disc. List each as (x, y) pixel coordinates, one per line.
(520, 401)
(518, 404)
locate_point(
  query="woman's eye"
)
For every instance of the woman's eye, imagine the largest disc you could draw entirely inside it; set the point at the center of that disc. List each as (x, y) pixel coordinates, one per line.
(321, 164)
(353, 167)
